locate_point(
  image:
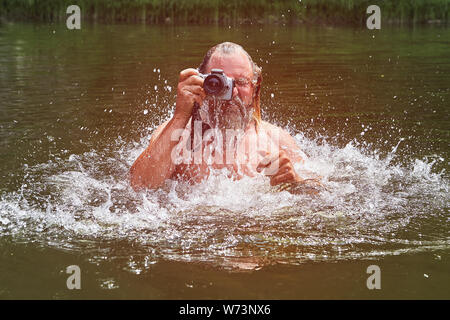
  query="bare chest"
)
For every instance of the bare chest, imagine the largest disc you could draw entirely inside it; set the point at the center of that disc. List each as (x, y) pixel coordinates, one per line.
(237, 158)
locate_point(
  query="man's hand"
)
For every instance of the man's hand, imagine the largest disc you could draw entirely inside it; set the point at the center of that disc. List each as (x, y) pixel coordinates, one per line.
(282, 173)
(189, 90)
(279, 167)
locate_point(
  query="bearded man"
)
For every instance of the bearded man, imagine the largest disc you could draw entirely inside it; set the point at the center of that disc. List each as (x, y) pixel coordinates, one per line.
(207, 135)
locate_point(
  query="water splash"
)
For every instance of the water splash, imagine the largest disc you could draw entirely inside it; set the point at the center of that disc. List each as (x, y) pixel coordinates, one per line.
(372, 207)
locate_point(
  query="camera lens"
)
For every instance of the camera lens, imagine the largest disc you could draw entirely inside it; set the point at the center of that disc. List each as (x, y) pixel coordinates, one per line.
(213, 85)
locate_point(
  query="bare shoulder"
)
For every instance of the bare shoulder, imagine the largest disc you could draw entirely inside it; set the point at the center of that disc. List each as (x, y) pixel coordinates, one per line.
(285, 140)
(275, 131)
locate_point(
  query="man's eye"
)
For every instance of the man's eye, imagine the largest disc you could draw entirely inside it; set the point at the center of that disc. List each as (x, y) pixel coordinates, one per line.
(242, 82)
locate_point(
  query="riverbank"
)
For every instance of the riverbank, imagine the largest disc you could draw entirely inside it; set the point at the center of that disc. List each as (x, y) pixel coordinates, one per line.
(232, 12)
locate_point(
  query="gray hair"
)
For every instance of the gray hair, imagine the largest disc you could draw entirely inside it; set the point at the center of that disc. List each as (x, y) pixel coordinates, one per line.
(228, 48)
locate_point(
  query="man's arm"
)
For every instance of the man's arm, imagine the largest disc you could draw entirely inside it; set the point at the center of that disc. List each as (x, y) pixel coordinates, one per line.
(155, 164)
(282, 163)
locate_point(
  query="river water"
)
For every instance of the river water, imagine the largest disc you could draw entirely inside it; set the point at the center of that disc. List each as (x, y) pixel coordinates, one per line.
(370, 109)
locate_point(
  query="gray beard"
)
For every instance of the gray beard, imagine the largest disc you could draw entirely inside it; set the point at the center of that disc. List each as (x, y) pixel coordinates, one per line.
(225, 115)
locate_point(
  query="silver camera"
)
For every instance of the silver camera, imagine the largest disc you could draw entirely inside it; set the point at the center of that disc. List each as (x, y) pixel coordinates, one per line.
(218, 84)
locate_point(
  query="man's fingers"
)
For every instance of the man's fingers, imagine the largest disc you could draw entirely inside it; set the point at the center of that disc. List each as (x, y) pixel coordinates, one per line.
(285, 167)
(284, 160)
(272, 168)
(195, 90)
(266, 161)
(194, 80)
(193, 94)
(262, 164)
(285, 177)
(186, 73)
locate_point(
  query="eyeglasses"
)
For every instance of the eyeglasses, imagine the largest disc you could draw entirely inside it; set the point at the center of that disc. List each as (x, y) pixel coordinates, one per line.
(244, 82)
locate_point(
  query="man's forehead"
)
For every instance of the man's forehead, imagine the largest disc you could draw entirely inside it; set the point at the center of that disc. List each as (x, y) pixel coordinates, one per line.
(235, 64)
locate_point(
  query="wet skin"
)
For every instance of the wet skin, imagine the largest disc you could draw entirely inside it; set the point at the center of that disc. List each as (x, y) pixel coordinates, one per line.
(263, 149)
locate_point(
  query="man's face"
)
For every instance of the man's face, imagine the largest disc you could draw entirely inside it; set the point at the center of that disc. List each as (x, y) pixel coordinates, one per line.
(237, 66)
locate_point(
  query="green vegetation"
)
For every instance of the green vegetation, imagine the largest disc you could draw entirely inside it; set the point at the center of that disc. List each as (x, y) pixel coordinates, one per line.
(227, 12)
